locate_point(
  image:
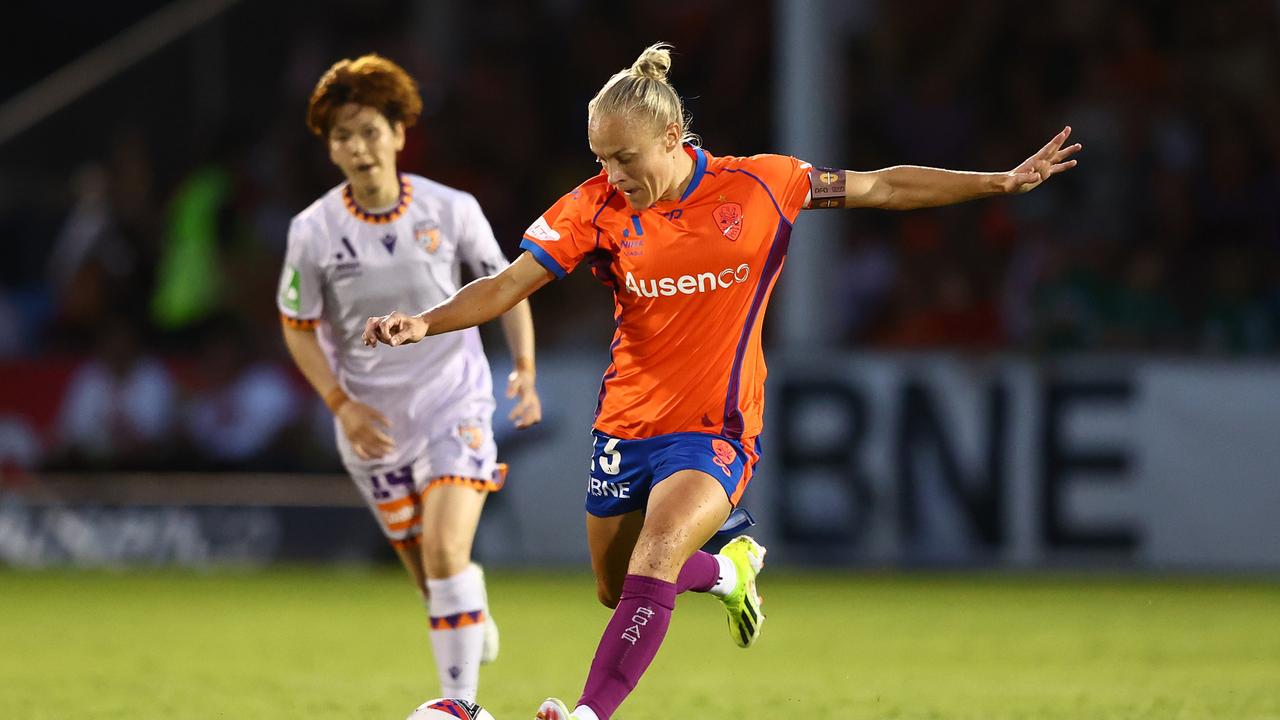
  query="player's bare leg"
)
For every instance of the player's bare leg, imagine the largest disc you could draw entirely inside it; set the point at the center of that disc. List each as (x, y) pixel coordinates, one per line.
(454, 586)
(684, 511)
(450, 515)
(410, 554)
(729, 575)
(611, 540)
(456, 514)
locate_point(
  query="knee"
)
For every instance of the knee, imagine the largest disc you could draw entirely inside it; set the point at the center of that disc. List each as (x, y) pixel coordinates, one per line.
(444, 555)
(656, 558)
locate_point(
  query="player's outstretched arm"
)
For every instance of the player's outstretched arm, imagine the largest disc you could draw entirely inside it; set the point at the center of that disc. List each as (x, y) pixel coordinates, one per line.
(906, 187)
(478, 302)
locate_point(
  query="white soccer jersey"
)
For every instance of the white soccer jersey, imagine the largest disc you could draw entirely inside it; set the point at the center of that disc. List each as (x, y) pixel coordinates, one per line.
(344, 265)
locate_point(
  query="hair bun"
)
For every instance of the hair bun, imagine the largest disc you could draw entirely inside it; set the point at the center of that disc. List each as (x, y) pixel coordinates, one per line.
(642, 91)
(654, 63)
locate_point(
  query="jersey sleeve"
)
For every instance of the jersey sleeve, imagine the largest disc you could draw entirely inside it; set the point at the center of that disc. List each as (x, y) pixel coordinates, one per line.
(563, 235)
(300, 297)
(787, 179)
(477, 247)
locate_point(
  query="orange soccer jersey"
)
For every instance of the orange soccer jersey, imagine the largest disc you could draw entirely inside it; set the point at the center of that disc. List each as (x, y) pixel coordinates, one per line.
(691, 279)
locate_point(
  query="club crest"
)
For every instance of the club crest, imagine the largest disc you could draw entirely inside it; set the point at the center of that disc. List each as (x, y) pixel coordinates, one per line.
(725, 455)
(427, 235)
(472, 436)
(729, 217)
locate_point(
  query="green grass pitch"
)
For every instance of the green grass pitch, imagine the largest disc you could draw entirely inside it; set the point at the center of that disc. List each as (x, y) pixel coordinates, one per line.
(320, 643)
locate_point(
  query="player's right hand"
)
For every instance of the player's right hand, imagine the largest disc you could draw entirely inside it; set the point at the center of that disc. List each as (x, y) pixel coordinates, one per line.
(366, 430)
(394, 329)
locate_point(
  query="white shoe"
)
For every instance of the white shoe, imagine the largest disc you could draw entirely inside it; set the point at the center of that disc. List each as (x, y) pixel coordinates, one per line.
(491, 640)
(553, 709)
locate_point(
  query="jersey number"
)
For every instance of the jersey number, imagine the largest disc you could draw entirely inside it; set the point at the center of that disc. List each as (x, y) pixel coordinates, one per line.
(611, 457)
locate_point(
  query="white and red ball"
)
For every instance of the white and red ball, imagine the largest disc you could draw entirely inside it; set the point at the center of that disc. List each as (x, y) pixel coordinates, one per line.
(449, 709)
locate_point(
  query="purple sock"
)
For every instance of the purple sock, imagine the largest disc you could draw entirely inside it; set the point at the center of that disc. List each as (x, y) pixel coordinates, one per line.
(630, 641)
(699, 574)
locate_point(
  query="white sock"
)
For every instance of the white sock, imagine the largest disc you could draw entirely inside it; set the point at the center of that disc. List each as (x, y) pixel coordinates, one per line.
(456, 605)
(582, 712)
(728, 577)
(484, 591)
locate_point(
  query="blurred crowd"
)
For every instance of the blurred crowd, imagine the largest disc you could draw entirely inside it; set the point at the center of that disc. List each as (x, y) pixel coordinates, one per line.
(1166, 238)
(144, 225)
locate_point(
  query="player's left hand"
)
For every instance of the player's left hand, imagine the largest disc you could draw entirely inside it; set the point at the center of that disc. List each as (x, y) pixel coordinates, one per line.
(1049, 161)
(528, 409)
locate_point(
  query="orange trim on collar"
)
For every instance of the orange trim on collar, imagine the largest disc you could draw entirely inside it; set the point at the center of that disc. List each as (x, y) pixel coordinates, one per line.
(382, 218)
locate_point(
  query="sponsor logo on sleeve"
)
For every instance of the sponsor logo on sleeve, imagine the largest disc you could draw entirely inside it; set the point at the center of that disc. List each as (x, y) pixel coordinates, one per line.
(541, 230)
(291, 290)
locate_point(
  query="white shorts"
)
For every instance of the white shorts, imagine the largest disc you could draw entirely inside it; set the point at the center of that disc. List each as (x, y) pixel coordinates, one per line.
(460, 452)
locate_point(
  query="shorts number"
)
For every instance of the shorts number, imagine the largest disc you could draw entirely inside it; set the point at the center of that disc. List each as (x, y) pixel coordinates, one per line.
(611, 457)
(403, 476)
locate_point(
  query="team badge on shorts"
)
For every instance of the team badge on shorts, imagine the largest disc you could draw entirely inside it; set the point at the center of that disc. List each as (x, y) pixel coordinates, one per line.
(427, 235)
(729, 217)
(472, 435)
(725, 455)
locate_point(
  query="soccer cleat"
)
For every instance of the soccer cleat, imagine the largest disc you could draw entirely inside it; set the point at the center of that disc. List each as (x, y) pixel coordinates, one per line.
(553, 709)
(743, 604)
(489, 652)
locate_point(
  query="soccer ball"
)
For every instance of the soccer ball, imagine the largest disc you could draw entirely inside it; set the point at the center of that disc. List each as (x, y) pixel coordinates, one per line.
(449, 709)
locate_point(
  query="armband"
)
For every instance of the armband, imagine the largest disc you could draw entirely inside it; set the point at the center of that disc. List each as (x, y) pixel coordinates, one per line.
(826, 188)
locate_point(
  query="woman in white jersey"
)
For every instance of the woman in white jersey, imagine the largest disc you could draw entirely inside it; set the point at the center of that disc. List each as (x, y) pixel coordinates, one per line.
(414, 429)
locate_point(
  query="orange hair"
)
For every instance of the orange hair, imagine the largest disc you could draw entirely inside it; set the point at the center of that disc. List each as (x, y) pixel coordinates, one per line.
(370, 80)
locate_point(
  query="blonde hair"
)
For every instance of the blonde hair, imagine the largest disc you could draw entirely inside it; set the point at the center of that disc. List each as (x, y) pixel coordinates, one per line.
(642, 91)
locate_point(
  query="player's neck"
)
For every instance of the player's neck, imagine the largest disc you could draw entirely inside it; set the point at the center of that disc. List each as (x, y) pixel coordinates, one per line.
(684, 170)
(377, 196)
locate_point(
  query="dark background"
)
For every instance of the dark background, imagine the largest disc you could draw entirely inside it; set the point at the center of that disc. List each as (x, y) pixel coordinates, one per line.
(1164, 241)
